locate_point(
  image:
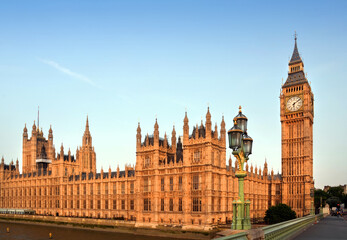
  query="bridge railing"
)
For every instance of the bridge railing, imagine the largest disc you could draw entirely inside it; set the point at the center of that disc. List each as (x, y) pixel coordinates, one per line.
(283, 230)
(286, 229)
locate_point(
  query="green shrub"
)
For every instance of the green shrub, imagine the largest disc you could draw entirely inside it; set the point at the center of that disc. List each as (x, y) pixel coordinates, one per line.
(279, 213)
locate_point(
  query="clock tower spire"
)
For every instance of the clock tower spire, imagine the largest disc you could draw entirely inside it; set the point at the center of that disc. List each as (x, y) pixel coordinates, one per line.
(297, 137)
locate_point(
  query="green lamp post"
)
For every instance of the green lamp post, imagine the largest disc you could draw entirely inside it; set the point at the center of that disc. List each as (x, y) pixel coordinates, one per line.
(241, 144)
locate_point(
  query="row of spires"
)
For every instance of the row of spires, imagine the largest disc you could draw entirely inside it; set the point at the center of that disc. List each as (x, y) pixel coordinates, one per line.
(185, 129)
(36, 131)
(250, 169)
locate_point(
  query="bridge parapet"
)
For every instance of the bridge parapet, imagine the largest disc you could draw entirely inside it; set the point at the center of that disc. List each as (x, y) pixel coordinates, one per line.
(283, 230)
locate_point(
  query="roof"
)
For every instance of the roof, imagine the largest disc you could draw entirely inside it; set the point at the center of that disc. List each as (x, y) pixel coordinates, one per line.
(295, 78)
(295, 56)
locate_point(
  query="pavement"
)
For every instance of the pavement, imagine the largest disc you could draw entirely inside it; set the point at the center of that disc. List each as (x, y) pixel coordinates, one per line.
(330, 227)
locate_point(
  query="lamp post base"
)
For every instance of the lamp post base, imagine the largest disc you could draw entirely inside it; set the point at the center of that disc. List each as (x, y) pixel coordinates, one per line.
(241, 208)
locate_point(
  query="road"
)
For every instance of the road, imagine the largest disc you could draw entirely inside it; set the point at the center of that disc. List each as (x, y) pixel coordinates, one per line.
(328, 228)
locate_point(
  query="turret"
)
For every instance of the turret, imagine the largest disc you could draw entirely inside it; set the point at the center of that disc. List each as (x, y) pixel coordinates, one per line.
(62, 151)
(165, 141)
(185, 128)
(87, 138)
(208, 123)
(50, 134)
(156, 133)
(173, 139)
(138, 136)
(222, 130)
(34, 132)
(17, 166)
(25, 133)
(216, 131)
(265, 168)
(69, 155)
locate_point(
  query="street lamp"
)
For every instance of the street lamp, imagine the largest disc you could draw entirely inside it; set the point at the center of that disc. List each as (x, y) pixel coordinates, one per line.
(241, 144)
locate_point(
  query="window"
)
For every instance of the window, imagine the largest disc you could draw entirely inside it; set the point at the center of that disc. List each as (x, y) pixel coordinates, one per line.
(220, 183)
(171, 204)
(146, 184)
(71, 204)
(196, 204)
(180, 183)
(84, 204)
(123, 188)
(180, 204)
(91, 189)
(132, 188)
(131, 204)
(162, 203)
(162, 184)
(171, 183)
(84, 189)
(98, 189)
(212, 182)
(106, 189)
(65, 171)
(146, 204)
(114, 188)
(147, 161)
(114, 204)
(123, 204)
(99, 204)
(196, 156)
(78, 190)
(106, 204)
(78, 204)
(278, 190)
(196, 181)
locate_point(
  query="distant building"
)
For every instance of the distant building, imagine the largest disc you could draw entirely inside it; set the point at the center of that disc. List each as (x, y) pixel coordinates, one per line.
(344, 187)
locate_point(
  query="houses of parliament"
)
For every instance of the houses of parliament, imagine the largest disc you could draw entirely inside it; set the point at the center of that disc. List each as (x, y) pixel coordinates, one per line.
(185, 181)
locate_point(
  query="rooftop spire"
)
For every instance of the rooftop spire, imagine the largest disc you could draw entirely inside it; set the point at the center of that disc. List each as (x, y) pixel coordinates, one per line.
(38, 117)
(296, 56)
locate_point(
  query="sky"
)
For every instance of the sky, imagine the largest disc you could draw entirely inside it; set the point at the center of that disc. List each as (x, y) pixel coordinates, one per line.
(124, 62)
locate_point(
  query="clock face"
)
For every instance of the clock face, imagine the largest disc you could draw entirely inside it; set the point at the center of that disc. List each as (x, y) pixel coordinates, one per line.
(294, 103)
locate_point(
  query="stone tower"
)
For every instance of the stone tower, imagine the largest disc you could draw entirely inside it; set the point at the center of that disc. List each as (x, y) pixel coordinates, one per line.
(297, 140)
(35, 146)
(85, 155)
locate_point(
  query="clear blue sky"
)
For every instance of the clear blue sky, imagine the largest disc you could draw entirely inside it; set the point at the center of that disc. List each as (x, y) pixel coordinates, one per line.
(124, 61)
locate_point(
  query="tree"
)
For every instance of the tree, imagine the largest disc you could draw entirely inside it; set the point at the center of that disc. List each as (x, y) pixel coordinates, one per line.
(333, 201)
(336, 191)
(318, 194)
(279, 213)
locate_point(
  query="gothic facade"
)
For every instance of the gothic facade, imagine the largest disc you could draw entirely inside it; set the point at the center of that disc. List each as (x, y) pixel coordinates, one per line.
(186, 181)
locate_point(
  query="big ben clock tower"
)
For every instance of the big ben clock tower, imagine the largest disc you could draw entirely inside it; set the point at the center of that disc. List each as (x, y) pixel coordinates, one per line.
(297, 137)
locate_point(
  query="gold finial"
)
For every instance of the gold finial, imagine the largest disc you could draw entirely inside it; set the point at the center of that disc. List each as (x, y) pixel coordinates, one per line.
(235, 123)
(240, 108)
